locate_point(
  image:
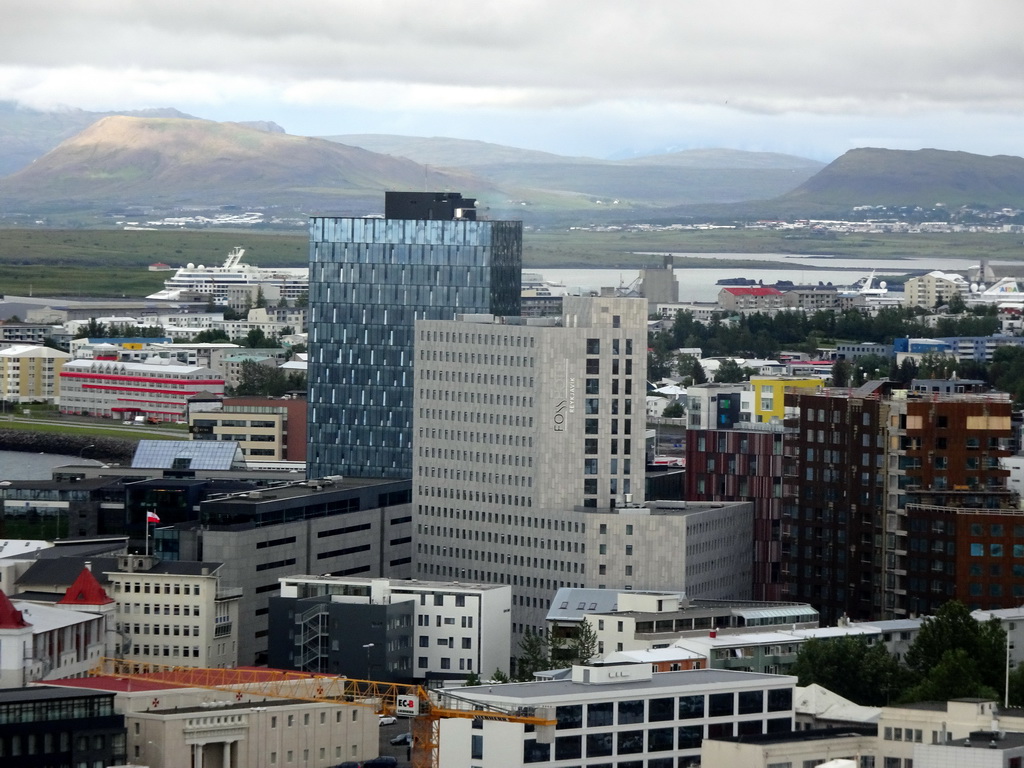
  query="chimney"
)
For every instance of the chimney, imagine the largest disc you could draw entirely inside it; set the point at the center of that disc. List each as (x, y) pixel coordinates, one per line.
(713, 633)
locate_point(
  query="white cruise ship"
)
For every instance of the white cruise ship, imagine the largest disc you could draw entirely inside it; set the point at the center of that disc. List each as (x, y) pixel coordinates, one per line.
(292, 281)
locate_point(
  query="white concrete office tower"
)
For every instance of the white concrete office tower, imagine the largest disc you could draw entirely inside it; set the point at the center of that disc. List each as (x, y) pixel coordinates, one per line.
(533, 413)
(528, 464)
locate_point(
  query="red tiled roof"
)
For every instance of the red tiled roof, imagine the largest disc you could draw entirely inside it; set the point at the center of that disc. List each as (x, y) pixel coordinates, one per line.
(85, 591)
(10, 617)
(756, 290)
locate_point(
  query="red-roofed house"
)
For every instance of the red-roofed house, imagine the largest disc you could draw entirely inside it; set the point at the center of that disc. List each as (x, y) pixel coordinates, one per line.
(85, 591)
(755, 298)
(41, 642)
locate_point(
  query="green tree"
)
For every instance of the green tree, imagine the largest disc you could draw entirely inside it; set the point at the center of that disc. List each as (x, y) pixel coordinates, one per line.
(730, 372)
(583, 644)
(691, 370)
(92, 330)
(659, 355)
(256, 380)
(211, 336)
(957, 675)
(261, 299)
(956, 304)
(1007, 371)
(953, 628)
(535, 655)
(1016, 697)
(673, 411)
(256, 338)
(841, 371)
(866, 674)
(498, 676)
(473, 679)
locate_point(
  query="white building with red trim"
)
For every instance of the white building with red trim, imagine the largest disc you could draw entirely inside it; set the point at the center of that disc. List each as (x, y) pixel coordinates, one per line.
(115, 389)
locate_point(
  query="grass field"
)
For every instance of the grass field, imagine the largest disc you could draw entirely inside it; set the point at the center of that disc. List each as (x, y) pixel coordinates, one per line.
(80, 429)
(113, 263)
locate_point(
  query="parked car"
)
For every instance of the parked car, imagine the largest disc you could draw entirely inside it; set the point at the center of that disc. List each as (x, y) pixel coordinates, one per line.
(349, 764)
(384, 761)
(386, 720)
(402, 738)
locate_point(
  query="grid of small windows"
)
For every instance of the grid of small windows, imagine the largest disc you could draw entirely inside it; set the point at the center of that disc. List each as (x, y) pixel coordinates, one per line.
(659, 725)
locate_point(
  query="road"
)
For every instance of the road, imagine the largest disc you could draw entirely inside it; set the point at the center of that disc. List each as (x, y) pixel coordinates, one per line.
(388, 732)
(86, 423)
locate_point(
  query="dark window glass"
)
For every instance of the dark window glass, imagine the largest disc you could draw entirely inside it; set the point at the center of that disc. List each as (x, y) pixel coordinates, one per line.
(719, 730)
(535, 752)
(779, 725)
(569, 716)
(660, 739)
(477, 747)
(599, 714)
(568, 747)
(751, 702)
(660, 709)
(749, 728)
(780, 699)
(631, 742)
(631, 711)
(599, 744)
(691, 707)
(720, 704)
(690, 736)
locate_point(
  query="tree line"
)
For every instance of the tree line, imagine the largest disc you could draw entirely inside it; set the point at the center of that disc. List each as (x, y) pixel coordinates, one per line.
(953, 656)
(762, 335)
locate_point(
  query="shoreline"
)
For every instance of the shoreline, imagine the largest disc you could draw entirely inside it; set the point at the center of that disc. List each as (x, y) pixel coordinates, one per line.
(107, 449)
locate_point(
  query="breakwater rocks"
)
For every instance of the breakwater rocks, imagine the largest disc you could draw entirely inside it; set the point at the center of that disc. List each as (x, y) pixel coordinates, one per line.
(97, 448)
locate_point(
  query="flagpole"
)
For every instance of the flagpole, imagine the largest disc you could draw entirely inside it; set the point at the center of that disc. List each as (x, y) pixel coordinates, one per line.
(147, 535)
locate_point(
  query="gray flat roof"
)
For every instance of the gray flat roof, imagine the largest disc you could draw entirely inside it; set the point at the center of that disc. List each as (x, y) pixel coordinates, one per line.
(696, 679)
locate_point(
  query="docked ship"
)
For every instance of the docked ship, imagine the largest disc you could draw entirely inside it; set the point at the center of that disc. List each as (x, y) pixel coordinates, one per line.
(192, 280)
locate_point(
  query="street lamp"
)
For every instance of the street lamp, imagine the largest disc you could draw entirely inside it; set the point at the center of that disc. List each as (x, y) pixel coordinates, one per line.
(368, 646)
(84, 449)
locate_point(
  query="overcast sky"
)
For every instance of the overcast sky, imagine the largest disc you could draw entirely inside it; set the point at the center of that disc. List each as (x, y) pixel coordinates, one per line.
(578, 77)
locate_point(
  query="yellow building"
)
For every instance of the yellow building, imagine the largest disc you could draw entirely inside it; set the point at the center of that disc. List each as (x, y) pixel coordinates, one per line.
(769, 402)
(31, 373)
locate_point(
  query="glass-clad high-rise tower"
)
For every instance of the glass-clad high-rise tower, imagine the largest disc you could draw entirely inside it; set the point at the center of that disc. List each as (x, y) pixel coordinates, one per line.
(370, 279)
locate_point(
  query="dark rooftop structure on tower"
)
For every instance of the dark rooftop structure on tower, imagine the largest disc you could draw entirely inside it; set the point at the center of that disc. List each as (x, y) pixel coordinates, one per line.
(429, 205)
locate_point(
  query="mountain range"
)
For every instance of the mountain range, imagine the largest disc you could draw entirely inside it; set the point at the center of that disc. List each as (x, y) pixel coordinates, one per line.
(164, 160)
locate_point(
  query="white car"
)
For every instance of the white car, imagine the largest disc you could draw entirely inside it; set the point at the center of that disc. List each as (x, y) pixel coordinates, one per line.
(386, 720)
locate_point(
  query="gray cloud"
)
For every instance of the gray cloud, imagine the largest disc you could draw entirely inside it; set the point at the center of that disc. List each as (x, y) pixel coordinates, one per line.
(862, 60)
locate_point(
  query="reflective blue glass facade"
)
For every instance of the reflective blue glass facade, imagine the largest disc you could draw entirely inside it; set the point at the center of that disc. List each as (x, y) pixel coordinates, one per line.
(369, 281)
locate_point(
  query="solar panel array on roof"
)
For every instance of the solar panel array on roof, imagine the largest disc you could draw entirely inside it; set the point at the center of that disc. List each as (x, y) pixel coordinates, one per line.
(188, 454)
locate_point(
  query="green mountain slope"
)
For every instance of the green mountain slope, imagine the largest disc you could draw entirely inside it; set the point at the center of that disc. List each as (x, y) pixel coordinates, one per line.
(655, 181)
(924, 177)
(171, 161)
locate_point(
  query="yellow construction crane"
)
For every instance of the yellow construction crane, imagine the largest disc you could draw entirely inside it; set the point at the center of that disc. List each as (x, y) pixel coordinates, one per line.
(402, 699)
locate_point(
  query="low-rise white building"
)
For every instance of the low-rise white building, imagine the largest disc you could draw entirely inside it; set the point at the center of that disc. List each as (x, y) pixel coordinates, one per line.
(459, 628)
(621, 715)
(44, 642)
(117, 389)
(174, 727)
(175, 612)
